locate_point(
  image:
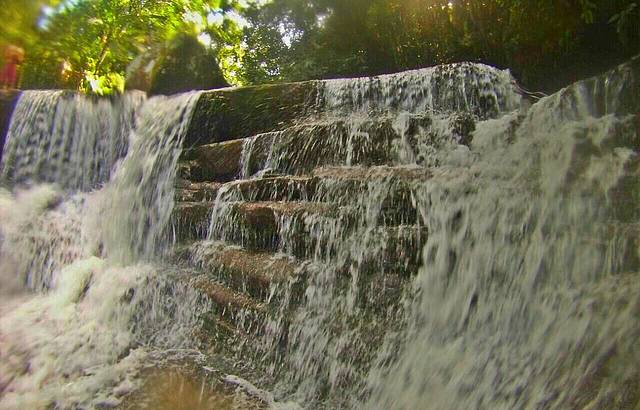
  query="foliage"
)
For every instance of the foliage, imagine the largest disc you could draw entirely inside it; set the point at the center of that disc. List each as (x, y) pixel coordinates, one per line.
(185, 65)
(626, 22)
(298, 39)
(88, 44)
(19, 21)
(97, 39)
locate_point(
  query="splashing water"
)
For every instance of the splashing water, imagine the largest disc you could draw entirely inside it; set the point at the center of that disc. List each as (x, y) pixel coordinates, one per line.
(523, 290)
(520, 266)
(429, 240)
(104, 300)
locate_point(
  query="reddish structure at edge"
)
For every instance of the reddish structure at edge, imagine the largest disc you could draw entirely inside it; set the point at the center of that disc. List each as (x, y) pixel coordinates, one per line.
(13, 56)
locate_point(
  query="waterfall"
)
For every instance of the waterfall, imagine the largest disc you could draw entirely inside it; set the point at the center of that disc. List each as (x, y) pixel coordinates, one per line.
(474, 88)
(355, 217)
(68, 139)
(428, 239)
(526, 285)
(442, 244)
(105, 300)
(139, 199)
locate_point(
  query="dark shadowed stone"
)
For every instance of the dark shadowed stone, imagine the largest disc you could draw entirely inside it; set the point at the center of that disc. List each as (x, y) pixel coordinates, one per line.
(8, 101)
(227, 114)
(215, 162)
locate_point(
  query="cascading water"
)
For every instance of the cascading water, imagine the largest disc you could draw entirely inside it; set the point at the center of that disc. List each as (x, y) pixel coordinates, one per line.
(523, 220)
(425, 239)
(68, 139)
(105, 303)
(414, 119)
(464, 87)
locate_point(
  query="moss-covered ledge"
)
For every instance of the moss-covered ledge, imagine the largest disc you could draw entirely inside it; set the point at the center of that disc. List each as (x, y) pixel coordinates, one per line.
(234, 113)
(8, 101)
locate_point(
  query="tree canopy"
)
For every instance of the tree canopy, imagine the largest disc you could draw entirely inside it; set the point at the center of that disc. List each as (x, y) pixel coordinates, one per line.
(296, 39)
(88, 44)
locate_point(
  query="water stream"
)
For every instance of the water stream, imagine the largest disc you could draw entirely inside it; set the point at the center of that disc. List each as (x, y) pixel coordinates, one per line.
(527, 228)
(461, 248)
(103, 298)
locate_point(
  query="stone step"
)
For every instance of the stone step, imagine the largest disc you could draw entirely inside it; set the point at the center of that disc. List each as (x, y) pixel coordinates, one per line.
(252, 273)
(242, 287)
(187, 191)
(362, 173)
(273, 188)
(299, 149)
(302, 229)
(238, 112)
(260, 225)
(255, 295)
(246, 223)
(392, 188)
(387, 192)
(220, 336)
(238, 309)
(325, 184)
(219, 162)
(190, 220)
(263, 225)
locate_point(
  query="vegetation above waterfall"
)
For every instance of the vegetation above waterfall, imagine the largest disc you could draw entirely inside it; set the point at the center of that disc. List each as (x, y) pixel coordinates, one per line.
(89, 44)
